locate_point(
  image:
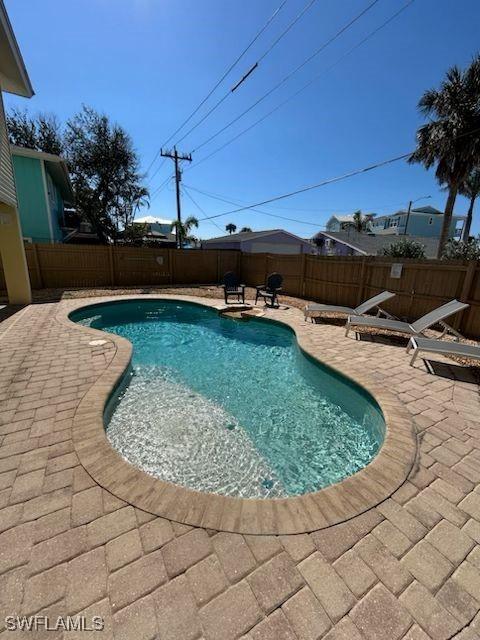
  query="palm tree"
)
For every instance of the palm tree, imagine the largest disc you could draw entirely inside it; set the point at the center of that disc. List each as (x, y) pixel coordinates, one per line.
(182, 229)
(470, 189)
(231, 228)
(361, 222)
(450, 141)
(245, 230)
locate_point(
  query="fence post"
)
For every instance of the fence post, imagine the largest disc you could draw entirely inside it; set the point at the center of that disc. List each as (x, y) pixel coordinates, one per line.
(111, 265)
(303, 283)
(465, 294)
(37, 267)
(361, 284)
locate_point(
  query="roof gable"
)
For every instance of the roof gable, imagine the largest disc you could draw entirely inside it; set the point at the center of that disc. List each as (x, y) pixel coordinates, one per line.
(13, 74)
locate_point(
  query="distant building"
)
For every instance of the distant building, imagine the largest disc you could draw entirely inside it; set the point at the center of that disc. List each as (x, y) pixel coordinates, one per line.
(353, 243)
(43, 191)
(158, 230)
(338, 222)
(423, 221)
(271, 241)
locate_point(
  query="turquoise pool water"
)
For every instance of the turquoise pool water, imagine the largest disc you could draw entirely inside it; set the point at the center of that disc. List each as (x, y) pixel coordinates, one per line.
(230, 406)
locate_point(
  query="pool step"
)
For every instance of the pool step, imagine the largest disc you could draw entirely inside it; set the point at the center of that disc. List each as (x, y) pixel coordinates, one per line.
(240, 311)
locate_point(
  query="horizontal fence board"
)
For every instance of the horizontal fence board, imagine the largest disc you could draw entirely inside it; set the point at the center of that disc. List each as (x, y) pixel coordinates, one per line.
(342, 280)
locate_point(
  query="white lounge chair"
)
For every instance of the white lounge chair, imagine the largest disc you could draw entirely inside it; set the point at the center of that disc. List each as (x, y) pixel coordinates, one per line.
(414, 329)
(314, 310)
(442, 347)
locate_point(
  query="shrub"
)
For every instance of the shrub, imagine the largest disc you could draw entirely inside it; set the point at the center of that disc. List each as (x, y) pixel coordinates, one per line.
(458, 250)
(405, 249)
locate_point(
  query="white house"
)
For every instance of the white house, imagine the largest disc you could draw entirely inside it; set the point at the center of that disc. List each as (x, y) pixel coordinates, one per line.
(159, 225)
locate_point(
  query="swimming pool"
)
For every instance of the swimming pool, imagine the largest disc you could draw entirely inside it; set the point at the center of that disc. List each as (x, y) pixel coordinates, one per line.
(231, 407)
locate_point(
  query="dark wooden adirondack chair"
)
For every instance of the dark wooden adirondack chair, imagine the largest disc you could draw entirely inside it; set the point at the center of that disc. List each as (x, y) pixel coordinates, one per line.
(232, 287)
(269, 290)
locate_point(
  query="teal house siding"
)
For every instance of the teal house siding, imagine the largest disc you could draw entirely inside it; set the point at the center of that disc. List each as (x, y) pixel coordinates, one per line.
(32, 204)
(43, 188)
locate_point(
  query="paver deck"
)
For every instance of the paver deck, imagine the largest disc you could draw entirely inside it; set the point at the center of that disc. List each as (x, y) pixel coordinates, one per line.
(407, 568)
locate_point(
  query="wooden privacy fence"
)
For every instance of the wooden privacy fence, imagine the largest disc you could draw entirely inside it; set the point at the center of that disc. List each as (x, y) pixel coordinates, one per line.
(77, 266)
(422, 285)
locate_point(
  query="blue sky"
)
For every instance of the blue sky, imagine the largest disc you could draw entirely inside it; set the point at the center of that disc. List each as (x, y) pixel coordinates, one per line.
(148, 63)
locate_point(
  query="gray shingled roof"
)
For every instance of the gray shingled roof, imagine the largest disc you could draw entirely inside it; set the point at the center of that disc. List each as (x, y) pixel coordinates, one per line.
(373, 245)
(240, 237)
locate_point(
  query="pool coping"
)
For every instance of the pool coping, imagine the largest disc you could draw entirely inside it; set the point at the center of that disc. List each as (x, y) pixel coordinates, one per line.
(337, 503)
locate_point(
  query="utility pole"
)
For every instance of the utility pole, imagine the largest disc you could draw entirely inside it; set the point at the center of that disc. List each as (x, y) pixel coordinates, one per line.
(410, 209)
(175, 156)
(408, 216)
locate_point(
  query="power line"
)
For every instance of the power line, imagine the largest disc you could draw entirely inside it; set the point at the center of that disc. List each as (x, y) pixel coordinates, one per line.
(222, 198)
(315, 186)
(305, 86)
(160, 188)
(219, 82)
(235, 87)
(289, 75)
(204, 215)
(350, 174)
(333, 180)
(265, 213)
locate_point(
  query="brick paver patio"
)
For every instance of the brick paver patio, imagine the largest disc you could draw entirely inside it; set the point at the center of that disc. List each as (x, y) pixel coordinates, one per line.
(407, 568)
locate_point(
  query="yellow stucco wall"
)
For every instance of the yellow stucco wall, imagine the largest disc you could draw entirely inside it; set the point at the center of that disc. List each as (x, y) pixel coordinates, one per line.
(11, 242)
(13, 256)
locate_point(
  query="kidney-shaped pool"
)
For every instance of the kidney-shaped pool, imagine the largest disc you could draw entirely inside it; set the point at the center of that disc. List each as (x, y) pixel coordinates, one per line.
(229, 406)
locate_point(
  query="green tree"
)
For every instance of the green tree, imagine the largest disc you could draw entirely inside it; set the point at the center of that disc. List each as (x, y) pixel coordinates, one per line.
(104, 169)
(460, 250)
(183, 230)
(245, 230)
(231, 228)
(450, 140)
(470, 189)
(41, 132)
(405, 249)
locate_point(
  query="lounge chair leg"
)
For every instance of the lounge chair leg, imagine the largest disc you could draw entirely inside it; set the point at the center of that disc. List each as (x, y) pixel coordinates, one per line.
(414, 357)
(347, 329)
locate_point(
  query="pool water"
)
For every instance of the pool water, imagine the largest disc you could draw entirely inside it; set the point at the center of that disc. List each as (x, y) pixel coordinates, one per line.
(230, 406)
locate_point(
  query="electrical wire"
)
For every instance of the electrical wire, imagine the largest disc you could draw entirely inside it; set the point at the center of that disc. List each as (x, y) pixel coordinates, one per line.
(323, 183)
(317, 185)
(289, 75)
(223, 98)
(219, 82)
(223, 198)
(204, 215)
(265, 213)
(160, 188)
(305, 86)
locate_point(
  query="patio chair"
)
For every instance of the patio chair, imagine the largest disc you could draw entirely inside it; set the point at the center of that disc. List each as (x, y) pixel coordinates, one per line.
(269, 290)
(232, 287)
(314, 310)
(415, 328)
(442, 347)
